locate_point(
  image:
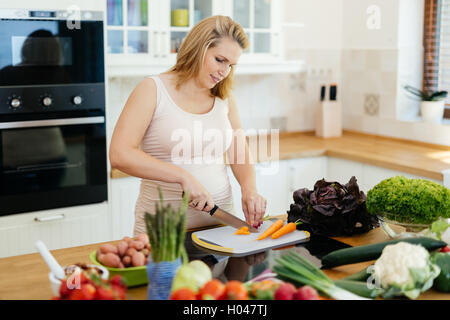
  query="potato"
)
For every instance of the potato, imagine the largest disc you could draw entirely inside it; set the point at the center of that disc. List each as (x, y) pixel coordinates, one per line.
(138, 245)
(122, 247)
(146, 261)
(145, 251)
(127, 239)
(126, 260)
(130, 251)
(121, 265)
(138, 259)
(143, 237)
(108, 248)
(110, 259)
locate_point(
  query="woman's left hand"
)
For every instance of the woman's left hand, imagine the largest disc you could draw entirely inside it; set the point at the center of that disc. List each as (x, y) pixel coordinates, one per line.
(254, 207)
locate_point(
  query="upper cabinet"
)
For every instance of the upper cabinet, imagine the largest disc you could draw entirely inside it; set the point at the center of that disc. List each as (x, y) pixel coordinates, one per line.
(143, 36)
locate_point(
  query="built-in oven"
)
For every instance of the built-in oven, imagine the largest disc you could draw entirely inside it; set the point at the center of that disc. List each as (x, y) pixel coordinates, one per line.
(52, 110)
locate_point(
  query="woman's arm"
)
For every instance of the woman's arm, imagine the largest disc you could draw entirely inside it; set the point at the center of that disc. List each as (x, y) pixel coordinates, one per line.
(125, 154)
(241, 164)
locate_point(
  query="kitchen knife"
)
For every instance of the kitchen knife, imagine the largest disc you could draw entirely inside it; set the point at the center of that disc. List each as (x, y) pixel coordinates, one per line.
(229, 219)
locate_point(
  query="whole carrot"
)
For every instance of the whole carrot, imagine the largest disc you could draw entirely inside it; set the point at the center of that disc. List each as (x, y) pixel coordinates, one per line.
(273, 227)
(287, 228)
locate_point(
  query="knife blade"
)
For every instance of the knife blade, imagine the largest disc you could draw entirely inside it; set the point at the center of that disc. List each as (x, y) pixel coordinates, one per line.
(230, 219)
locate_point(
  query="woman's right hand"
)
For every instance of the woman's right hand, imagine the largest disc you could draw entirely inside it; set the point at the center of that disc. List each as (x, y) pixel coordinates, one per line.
(199, 197)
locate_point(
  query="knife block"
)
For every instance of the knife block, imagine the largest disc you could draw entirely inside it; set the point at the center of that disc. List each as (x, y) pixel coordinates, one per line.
(329, 119)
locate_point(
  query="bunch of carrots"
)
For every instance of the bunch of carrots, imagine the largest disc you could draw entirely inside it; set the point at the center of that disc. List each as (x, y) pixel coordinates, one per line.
(276, 230)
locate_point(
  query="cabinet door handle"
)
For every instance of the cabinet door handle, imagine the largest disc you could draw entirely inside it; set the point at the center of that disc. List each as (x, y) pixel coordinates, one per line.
(51, 218)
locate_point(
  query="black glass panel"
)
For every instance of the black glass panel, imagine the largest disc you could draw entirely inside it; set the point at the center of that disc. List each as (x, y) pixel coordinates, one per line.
(48, 52)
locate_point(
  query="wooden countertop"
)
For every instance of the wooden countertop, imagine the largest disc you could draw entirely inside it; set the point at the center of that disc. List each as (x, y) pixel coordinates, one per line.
(25, 277)
(418, 158)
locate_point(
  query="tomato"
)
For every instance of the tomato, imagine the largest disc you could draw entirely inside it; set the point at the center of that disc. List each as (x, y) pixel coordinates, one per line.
(235, 290)
(212, 290)
(183, 294)
(104, 293)
(118, 281)
(445, 249)
(86, 292)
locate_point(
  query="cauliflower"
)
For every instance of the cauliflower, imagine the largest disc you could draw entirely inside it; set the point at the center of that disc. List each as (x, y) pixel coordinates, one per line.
(404, 269)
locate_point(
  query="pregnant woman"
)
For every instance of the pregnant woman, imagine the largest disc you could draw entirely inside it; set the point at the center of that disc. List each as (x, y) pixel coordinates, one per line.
(178, 129)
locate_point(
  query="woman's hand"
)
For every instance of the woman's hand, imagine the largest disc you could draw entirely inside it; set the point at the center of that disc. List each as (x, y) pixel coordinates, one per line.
(254, 206)
(199, 197)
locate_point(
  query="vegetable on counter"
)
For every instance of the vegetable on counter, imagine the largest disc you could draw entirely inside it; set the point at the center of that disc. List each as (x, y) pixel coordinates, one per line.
(242, 231)
(415, 201)
(442, 260)
(192, 275)
(404, 269)
(128, 253)
(273, 228)
(287, 228)
(439, 229)
(295, 268)
(332, 209)
(373, 251)
(167, 229)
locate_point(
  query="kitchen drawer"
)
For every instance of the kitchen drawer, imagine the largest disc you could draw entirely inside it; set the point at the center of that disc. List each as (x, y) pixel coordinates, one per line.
(58, 228)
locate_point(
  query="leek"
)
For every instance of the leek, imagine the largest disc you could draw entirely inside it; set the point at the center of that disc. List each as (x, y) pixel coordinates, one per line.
(294, 267)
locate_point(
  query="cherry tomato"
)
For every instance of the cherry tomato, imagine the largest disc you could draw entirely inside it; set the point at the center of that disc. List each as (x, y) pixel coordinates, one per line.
(235, 290)
(445, 249)
(212, 290)
(183, 294)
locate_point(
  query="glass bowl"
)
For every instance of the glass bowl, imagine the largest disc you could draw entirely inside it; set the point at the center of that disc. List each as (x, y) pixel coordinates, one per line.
(411, 229)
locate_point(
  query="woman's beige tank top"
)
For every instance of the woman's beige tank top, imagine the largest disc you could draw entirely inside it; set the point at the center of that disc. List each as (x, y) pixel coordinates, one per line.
(195, 142)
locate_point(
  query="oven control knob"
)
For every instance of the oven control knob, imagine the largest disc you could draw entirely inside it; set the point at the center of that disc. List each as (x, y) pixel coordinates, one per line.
(47, 101)
(77, 100)
(15, 103)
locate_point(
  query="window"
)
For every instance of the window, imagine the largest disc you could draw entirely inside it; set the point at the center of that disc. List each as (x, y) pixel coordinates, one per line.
(437, 48)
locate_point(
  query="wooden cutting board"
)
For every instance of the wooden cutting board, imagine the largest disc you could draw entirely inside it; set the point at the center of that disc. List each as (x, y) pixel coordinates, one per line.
(224, 240)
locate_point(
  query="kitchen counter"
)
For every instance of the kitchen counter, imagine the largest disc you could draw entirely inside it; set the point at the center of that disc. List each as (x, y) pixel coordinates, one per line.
(25, 277)
(417, 158)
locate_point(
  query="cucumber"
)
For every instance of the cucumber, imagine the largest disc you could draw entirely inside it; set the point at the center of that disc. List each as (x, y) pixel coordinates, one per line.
(373, 251)
(358, 287)
(363, 275)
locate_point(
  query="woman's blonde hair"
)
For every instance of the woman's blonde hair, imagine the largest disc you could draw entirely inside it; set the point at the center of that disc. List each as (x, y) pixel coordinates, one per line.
(204, 35)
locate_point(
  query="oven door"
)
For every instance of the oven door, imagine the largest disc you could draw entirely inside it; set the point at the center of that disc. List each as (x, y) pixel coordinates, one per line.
(43, 52)
(49, 164)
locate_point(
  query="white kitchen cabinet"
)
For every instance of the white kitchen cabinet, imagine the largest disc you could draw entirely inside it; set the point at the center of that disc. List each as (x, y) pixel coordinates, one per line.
(270, 183)
(303, 173)
(124, 193)
(143, 36)
(342, 170)
(368, 176)
(58, 228)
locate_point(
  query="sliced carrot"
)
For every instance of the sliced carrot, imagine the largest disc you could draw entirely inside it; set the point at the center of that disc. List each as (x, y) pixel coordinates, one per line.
(243, 230)
(287, 228)
(273, 227)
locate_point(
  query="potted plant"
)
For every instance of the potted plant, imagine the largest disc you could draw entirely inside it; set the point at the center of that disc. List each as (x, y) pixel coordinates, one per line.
(432, 103)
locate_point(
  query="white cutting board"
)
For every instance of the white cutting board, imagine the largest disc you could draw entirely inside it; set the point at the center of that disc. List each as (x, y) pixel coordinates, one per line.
(224, 239)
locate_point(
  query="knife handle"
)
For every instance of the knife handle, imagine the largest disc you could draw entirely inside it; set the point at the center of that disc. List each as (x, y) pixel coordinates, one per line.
(213, 210)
